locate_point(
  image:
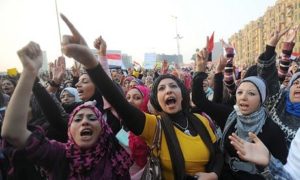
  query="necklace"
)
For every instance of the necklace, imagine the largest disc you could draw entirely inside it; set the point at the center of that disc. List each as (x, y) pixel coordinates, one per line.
(185, 130)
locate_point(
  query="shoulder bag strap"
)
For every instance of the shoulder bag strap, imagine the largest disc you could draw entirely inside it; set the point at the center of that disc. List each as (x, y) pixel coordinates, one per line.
(157, 136)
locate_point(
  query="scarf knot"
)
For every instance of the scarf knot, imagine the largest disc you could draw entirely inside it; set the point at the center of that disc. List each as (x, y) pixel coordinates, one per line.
(250, 123)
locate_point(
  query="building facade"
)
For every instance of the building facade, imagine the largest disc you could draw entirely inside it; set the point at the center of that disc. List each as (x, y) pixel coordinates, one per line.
(250, 41)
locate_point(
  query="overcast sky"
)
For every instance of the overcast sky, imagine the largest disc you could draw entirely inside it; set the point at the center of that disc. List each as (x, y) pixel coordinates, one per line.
(132, 26)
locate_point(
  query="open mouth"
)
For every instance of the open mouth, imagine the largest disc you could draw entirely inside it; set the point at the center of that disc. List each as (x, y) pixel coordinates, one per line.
(170, 101)
(244, 106)
(6, 89)
(79, 91)
(86, 132)
(297, 94)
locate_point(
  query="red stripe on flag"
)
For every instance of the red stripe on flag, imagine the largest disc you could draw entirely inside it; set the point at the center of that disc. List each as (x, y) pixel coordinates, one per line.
(113, 56)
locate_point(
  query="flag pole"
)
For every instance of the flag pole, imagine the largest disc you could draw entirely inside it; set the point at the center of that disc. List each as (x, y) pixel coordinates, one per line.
(58, 25)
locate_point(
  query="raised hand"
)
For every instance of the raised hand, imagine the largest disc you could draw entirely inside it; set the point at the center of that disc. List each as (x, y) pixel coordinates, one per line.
(255, 152)
(31, 57)
(228, 47)
(59, 70)
(75, 47)
(276, 35)
(291, 34)
(76, 37)
(221, 64)
(225, 45)
(202, 57)
(75, 69)
(164, 67)
(201, 60)
(100, 44)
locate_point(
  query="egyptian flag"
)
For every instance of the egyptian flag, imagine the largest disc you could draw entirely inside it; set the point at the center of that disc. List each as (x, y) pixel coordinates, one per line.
(211, 43)
(210, 46)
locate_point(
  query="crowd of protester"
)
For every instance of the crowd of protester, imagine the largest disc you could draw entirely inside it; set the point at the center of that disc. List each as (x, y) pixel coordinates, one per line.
(94, 122)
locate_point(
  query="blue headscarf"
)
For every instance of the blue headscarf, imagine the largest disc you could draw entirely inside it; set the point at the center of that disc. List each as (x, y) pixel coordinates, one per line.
(291, 107)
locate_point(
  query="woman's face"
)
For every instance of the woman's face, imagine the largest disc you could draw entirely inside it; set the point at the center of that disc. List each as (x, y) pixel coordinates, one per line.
(8, 87)
(126, 84)
(295, 67)
(148, 80)
(169, 96)
(85, 128)
(286, 81)
(134, 97)
(69, 84)
(132, 84)
(295, 91)
(247, 98)
(85, 87)
(67, 98)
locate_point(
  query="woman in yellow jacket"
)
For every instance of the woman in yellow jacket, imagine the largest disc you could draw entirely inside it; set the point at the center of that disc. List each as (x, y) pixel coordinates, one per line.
(188, 144)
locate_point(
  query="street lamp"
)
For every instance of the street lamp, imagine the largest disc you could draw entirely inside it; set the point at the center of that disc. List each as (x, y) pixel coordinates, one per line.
(177, 37)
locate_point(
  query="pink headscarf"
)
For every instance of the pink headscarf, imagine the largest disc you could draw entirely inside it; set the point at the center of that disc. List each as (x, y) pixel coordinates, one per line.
(138, 147)
(145, 91)
(84, 160)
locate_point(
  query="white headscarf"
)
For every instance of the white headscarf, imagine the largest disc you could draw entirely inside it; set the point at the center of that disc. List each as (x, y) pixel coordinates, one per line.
(73, 92)
(293, 161)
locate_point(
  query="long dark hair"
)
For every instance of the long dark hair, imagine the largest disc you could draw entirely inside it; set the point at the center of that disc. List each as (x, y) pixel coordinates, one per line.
(184, 92)
(176, 155)
(177, 159)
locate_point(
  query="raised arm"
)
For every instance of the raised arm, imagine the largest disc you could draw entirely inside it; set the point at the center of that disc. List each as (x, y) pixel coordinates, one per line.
(229, 79)
(266, 66)
(53, 111)
(100, 45)
(217, 112)
(287, 49)
(72, 47)
(218, 80)
(58, 70)
(14, 128)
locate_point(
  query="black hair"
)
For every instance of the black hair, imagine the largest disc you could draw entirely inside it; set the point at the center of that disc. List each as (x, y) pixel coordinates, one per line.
(177, 158)
(184, 92)
(13, 81)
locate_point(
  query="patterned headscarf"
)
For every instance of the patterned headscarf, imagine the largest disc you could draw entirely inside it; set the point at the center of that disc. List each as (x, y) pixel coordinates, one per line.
(83, 160)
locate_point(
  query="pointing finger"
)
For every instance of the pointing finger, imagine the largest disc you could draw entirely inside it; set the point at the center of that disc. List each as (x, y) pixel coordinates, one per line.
(70, 25)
